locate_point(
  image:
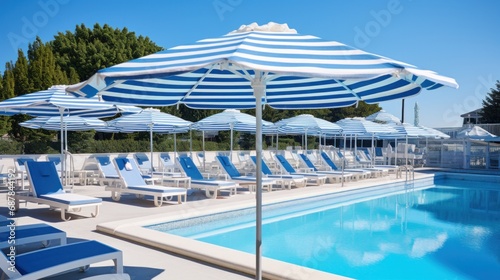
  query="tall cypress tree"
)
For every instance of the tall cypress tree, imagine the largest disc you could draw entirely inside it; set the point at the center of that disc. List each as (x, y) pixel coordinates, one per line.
(491, 106)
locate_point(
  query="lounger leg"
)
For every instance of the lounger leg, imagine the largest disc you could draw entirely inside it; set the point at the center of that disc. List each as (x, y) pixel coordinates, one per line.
(158, 201)
(63, 215)
(118, 264)
(115, 196)
(96, 212)
(209, 195)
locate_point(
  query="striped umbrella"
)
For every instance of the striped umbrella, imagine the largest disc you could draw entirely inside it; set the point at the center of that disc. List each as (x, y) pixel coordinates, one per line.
(307, 124)
(362, 128)
(55, 102)
(69, 123)
(258, 65)
(407, 130)
(383, 117)
(231, 120)
(151, 120)
(435, 132)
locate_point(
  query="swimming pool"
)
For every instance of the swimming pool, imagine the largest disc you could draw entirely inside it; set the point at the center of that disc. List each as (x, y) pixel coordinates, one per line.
(447, 231)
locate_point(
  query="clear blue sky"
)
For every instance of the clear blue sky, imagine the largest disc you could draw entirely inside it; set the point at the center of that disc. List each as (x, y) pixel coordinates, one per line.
(459, 39)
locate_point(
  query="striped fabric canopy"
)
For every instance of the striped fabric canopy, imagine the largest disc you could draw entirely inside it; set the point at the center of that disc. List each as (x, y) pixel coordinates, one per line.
(55, 102)
(297, 71)
(307, 124)
(230, 119)
(360, 127)
(407, 130)
(150, 120)
(383, 117)
(70, 123)
(435, 132)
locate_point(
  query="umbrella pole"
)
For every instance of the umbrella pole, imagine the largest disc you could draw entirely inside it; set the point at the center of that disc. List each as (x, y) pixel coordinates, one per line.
(231, 148)
(203, 144)
(63, 162)
(151, 147)
(175, 145)
(258, 90)
(191, 143)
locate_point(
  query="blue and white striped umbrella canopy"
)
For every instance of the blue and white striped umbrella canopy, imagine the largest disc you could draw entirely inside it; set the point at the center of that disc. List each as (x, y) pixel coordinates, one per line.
(407, 130)
(476, 133)
(55, 102)
(258, 65)
(229, 119)
(295, 71)
(360, 127)
(383, 117)
(150, 120)
(308, 125)
(435, 132)
(69, 123)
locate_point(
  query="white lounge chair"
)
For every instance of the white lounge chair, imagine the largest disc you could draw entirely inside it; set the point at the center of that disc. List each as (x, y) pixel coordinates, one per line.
(236, 176)
(285, 180)
(333, 176)
(26, 234)
(55, 260)
(312, 178)
(211, 187)
(106, 169)
(357, 173)
(131, 181)
(46, 188)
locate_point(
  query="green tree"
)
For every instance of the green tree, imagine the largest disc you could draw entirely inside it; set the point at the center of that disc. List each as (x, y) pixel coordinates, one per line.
(491, 106)
(43, 70)
(81, 53)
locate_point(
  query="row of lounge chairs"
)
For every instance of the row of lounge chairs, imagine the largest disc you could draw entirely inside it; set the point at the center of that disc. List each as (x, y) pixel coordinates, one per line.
(49, 261)
(123, 175)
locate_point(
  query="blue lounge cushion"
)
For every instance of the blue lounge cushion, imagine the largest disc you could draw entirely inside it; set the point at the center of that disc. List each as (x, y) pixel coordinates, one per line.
(53, 256)
(190, 168)
(156, 189)
(44, 177)
(71, 198)
(28, 231)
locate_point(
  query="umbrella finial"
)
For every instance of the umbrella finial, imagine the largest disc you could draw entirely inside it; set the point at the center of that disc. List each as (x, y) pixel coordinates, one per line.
(269, 27)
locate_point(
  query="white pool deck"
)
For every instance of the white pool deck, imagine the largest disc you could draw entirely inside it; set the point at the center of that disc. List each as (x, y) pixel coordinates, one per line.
(146, 262)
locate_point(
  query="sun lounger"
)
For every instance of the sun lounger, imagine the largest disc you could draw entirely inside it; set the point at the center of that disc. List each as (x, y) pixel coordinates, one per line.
(167, 165)
(26, 234)
(55, 260)
(21, 173)
(357, 173)
(211, 187)
(235, 175)
(312, 178)
(131, 181)
(333, 176)
(285, 180)
(47, 189)
(107, 171)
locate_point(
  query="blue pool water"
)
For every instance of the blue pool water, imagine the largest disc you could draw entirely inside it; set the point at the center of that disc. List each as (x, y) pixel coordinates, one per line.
(449, 230)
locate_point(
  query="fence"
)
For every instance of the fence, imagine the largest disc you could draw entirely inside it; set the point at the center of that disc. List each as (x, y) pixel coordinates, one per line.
(454, 153)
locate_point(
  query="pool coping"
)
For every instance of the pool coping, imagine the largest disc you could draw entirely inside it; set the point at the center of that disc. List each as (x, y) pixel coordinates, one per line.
(133, 230)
